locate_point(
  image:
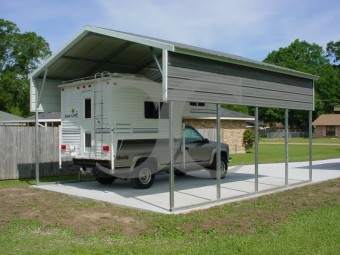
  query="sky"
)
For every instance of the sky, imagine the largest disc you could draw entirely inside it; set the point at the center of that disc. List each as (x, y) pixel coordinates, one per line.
(248, 28)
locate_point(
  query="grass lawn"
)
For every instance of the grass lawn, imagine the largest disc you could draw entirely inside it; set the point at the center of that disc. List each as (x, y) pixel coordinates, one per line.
(273, 151)
(303, 220)
(335, 141)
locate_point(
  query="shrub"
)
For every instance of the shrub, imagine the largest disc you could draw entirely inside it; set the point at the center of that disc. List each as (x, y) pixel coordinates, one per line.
(248, 139)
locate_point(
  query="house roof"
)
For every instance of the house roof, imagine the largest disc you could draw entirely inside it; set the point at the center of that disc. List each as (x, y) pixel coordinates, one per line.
(4, 116)
(226, 114)
(327, 120)
(46, 116)
(232, 115)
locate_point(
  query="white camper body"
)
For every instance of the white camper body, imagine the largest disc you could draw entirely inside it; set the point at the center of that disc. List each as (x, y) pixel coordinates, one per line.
(98, 113)
(117, 126)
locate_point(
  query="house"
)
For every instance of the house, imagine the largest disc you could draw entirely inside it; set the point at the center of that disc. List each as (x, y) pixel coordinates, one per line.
(327, 125)
(46, 119)
(7, 119)
(233, 125)
(337, 109)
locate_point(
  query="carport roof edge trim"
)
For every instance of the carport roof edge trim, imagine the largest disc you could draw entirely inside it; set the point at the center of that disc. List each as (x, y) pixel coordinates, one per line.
(171, 46)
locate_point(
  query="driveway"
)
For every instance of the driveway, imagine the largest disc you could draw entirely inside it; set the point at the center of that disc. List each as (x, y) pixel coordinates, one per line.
(197, 190)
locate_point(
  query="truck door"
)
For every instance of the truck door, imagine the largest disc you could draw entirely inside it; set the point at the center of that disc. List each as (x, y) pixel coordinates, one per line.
(87, 124)
(196, 153)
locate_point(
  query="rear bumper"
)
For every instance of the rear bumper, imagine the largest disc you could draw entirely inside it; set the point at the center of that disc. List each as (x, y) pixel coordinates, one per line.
(91, 163)
(102, 168)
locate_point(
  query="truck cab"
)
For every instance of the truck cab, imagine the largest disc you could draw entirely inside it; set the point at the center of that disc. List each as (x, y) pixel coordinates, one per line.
(144, 159)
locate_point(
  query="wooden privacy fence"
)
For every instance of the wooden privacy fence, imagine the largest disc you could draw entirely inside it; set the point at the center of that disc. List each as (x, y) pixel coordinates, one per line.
(17, 152)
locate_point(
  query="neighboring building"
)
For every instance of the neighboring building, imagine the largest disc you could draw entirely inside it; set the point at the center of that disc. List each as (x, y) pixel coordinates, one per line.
(337, 109)
(233, 125)
(46, 119)
(9, 119)
(327, 125)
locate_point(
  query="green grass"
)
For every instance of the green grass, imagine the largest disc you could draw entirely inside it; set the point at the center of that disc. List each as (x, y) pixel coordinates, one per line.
(314, 232)
(275, 153)
(302, 140)
(299, 221)
(28, 182)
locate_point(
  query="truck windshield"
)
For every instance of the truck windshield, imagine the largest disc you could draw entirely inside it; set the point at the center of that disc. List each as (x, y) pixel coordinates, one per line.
(192, 136)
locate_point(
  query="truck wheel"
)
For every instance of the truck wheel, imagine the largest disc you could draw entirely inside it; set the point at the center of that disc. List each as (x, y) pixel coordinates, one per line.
(145, 176)
(224, 167)
(105, 181)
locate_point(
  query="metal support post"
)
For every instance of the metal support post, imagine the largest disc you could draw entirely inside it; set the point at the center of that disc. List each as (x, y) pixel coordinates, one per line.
(165, 75)
(218, 151)
(256, 149)
(171, 148)
(310, 117)
(156, 61)
(37, 141)
(286, 146)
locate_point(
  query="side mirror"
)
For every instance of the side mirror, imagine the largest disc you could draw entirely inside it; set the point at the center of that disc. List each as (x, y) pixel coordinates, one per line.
(206, 140)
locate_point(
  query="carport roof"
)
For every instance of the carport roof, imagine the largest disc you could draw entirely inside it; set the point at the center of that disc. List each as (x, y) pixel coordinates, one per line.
(97, 49)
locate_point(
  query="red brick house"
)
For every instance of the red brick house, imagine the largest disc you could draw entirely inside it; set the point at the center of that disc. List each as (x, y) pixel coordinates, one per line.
(327, 125)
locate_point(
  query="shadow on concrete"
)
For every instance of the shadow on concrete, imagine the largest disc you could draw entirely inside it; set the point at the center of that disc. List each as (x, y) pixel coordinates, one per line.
(326, 166)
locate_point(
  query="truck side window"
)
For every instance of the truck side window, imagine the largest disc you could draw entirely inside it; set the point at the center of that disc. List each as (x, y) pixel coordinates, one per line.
(87, 108)
(192, 136)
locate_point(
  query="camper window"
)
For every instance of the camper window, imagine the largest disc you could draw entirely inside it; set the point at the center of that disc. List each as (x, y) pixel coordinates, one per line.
(197, 104)
(87, 140)
(151, 110)
(87, 108)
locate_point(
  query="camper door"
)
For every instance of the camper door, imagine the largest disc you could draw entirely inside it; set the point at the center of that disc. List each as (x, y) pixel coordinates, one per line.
(87, 123)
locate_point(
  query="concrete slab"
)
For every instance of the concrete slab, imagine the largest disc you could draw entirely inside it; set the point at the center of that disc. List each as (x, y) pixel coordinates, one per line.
(197, 190)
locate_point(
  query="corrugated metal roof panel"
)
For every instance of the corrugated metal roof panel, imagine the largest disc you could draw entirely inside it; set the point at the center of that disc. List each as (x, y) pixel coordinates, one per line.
(95, 48)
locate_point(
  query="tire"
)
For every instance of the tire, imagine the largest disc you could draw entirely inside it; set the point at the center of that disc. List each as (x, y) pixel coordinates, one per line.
(224, 167)
(145, 176)
(105, 180)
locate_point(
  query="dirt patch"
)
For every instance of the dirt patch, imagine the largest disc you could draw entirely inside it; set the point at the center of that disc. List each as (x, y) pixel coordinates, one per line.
(53, 209)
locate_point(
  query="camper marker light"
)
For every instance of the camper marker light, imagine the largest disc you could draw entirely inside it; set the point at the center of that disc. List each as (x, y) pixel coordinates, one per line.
(63, 147)
(106, 148)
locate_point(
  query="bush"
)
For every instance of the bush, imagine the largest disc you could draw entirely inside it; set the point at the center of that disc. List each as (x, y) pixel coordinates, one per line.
(248, 139)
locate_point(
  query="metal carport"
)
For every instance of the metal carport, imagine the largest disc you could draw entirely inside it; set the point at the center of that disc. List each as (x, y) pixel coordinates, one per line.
(186, 73)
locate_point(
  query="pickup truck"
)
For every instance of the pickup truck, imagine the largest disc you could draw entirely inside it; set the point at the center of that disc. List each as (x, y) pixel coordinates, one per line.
(140, 160)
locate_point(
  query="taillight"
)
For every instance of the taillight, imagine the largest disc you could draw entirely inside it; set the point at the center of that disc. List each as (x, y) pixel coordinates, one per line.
(106, 148)
(63, 147)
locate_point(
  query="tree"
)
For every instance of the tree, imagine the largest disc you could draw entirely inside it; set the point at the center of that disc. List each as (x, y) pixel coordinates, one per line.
(20, 54)
(333, 50)
(237, 108)
(310, 58)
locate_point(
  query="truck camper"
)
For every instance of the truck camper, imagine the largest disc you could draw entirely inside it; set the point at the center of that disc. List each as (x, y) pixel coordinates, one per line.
(117, 126)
